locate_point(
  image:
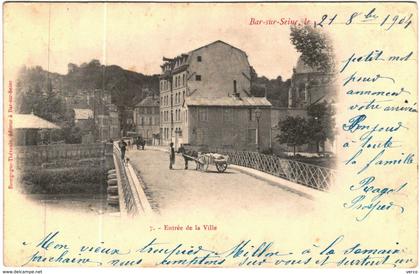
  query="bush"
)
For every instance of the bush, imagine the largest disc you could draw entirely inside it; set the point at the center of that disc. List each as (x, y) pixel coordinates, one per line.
(87, 180)
(268, 151)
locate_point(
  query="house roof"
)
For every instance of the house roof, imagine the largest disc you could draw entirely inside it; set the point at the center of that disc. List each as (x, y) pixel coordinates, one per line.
(216, 42)
(31, 121)
(187, 55)
(83, 113)
(229, 101)
(149, 101)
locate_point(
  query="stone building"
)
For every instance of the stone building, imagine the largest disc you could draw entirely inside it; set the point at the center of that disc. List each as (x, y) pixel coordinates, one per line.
(308, 86)
(228, 122)
(198, 86)
(146, 119)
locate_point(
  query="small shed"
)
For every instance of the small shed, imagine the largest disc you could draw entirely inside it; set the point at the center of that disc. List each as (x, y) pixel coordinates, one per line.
(27, 127)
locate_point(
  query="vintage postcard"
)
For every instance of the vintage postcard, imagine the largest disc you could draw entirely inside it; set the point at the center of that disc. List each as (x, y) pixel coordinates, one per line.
(210, 135)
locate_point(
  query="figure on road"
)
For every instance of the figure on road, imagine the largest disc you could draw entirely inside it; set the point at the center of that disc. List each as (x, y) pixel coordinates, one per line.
(123, 147)
(171, 155)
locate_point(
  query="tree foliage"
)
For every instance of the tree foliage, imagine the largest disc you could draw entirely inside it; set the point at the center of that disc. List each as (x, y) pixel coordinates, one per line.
(294, 132)
(321, 122)
(277, 90)
(315, 47)
(316, 128)
(44, 93)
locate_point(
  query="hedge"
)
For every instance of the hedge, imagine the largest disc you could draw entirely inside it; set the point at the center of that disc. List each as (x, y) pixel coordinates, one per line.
(86, 180)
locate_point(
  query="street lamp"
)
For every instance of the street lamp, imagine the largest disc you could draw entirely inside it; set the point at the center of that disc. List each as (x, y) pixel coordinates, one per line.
(257, 117)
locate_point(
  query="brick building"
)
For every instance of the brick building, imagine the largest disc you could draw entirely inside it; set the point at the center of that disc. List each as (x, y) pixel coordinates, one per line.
(199, 88)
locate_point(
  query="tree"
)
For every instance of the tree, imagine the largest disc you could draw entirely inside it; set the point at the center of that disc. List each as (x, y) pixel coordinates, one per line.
(293, 132)
(315, 46)
(321, 123)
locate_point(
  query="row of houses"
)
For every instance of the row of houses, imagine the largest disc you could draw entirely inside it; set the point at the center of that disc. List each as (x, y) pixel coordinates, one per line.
(205, 100)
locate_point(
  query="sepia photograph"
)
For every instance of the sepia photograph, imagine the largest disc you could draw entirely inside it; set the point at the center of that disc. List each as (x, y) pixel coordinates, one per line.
(239, 134)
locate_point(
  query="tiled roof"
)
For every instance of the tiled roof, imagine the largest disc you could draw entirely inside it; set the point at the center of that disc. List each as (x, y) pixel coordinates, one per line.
(83, 113)
(31, 121)
(149, 101)
(229, 101)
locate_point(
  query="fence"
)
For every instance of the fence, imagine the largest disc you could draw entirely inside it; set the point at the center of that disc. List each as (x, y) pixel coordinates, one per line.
(302, 173)
(37, 155)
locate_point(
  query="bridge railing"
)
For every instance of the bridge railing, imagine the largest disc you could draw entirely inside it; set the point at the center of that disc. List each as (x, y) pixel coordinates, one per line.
(309, 175)
(128, 201)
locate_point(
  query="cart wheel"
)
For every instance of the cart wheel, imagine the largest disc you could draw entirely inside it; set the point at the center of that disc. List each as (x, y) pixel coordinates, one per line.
(204, 164)
(221, 167)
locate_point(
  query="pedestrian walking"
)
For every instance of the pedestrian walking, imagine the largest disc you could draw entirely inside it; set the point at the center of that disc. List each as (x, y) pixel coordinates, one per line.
(123, 147)
(171, 155)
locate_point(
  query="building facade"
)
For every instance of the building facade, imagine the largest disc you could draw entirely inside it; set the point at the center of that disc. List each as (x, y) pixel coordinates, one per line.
(146, 119)
(309, 86)
(196, 87)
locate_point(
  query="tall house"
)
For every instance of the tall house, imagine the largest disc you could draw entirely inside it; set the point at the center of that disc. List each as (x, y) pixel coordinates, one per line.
(197, 86)
(146, 119)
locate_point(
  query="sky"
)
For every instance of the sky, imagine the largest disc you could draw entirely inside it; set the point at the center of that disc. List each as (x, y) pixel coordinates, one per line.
(136, 36)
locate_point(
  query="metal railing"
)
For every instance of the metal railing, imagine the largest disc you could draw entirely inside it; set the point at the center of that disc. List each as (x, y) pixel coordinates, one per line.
(309, 175)
(128, 198)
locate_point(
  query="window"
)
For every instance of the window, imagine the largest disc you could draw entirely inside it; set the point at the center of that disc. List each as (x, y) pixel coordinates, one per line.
(183, 79)
(150, 121)
(198, 77)
(142, 121)
(201, 136)
(252, 136)
(227, 114)
(183, 95)
(202, 114)
(251, 114)
(198, 58)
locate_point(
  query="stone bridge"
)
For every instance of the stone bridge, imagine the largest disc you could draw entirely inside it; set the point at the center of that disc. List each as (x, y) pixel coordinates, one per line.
(146, 185)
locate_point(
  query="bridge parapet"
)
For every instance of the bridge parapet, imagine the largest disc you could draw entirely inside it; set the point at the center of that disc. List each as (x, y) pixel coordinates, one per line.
(132, 199)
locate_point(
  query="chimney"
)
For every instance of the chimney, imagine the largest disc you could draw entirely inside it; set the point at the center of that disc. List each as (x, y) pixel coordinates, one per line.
(235, 91)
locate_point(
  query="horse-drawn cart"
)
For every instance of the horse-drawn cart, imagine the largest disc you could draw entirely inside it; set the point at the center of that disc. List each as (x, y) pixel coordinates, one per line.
(204, 160)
